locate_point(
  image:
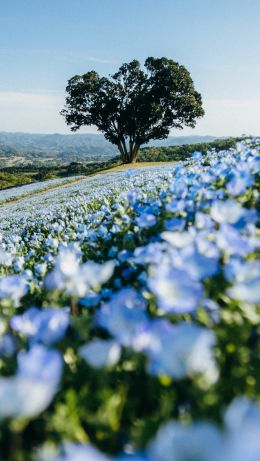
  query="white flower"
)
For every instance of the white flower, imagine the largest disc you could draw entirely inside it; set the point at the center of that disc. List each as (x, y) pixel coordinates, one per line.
(67, 263)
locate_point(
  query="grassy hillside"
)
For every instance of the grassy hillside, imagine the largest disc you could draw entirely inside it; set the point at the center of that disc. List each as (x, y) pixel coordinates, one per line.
(16, 175)
(11, 179)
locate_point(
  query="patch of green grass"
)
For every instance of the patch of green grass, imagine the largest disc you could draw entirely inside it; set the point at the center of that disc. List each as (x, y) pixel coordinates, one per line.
(14, 179)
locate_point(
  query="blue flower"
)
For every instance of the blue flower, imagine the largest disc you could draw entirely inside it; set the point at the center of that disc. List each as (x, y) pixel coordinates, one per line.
(100, 353)
(241, 412)
(197, 155)
(33, 387)
(178, 239)
(179, 442)
(13, 287)
(181, 350)
(46, 326)
(239, 181)
(231, 212)
(243, 421)
(151, 253)
(123, 315)
(247, 283)
(124, 255)
(77, 279)
(146, 220)
(203, 221)
(7, 345)
(175, 206)
(75, 452)
(197, 265)
(174, 224)
(175, 290)
(5, 258)
(90, 300)
(40, 363)
(232, 242)
(132, 457)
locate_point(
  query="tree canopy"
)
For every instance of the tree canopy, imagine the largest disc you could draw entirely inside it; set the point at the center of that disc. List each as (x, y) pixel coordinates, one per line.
(135, 104)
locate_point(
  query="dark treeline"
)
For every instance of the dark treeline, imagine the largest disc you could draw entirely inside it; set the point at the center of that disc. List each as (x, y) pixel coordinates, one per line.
(176, 153)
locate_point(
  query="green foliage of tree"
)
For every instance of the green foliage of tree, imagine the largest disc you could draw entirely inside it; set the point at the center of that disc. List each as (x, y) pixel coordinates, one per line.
(134, 105)
(45, 174)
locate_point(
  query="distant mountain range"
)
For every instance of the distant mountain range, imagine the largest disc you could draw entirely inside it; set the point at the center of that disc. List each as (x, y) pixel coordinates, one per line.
(26, 148)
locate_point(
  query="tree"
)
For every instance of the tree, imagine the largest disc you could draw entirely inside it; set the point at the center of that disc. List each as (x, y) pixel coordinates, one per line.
(75, 168)
(134, 105)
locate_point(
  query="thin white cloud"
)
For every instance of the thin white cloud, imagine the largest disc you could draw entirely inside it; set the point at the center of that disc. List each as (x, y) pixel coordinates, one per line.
(57, 54)
(74, 57)
(38, 111)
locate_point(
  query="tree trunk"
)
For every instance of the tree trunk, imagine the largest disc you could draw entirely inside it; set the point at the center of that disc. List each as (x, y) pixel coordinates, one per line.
(128, 156)
(134, 154)
(122, 153)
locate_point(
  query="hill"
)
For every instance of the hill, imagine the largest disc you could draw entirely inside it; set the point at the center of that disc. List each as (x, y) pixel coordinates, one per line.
(18, 174)
(18, 149)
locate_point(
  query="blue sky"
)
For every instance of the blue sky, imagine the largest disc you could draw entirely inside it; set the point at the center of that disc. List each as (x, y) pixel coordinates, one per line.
(45, 42)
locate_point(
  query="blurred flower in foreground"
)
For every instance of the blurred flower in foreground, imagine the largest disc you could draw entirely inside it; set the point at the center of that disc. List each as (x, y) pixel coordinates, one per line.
(100, 353)
(231, 212)
(73, 452)
(13, 287)
(246, 283)
(123, 315)
(178, 442)
(242, 442)
(75, 278)
(32, 389)
(174, 289)
(179, 350)
(46, 325)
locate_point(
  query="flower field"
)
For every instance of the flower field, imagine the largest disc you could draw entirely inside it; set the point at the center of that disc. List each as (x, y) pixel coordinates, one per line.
(130, 315)
(15, 193)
